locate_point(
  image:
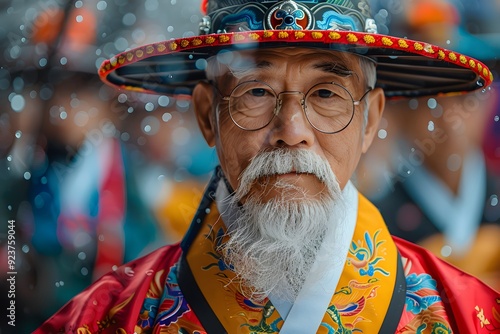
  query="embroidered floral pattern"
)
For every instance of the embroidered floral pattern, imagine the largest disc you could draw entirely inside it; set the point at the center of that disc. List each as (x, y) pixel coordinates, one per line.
(164, 303)
(263, 326)
(364, 256)
(216, 239)
(424, 304)
(421, 293)
(348, 304)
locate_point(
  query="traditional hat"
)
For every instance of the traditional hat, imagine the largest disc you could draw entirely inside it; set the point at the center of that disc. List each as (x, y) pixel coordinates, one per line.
(405, 68)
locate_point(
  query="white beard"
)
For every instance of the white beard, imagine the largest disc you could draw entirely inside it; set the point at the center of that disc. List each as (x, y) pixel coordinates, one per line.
(273, 244)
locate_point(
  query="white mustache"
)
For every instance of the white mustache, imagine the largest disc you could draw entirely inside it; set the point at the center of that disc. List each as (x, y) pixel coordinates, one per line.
(283, 161)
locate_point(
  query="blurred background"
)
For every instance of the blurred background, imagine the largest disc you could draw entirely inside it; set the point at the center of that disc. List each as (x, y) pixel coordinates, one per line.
(94, 177)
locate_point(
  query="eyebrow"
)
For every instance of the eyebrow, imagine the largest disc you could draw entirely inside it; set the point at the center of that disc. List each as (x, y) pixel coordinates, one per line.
(334, 68)
(241, 71)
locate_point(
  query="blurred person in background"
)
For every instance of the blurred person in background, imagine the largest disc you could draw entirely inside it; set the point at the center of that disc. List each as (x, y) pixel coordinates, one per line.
(440, 191)
(68, 181)
(170, 159)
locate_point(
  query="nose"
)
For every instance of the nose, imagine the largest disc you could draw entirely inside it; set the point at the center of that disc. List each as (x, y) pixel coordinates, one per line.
(290, 126)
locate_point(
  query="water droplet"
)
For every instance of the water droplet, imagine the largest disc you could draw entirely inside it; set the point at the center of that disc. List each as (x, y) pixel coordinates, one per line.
(79, 18)
(446, 251)
(496, 118)
(81, 118)
(150, 125)
(84, 271)
(63, 115)
(74, 102)
(430, 126)
(27, 175)
(149, 106)
(493, 200)
(17, 103)
(166, 117)
(102, 5)
(9, 158)
(454, 162)
(413, 104)
(125, 136)
(163, 101)
(201, 64)
(382, 134)
(151, 5)
(25, 248)
(432, 103)
(129, 19)
(63, 60)
(82, 256)
(18, 134)
(121, 43)
(15, 52)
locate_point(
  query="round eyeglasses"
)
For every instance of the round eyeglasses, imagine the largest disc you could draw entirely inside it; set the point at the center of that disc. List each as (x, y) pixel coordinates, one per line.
(329, 107)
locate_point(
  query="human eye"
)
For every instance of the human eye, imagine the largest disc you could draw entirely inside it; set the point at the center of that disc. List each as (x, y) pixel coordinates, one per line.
(325, 93)
(258, 92)
(328, 100)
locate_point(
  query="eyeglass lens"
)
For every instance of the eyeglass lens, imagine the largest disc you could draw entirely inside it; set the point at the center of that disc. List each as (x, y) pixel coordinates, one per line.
(328, 107)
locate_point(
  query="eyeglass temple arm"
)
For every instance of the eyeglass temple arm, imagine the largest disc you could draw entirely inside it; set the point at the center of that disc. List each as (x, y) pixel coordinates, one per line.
(356, 103)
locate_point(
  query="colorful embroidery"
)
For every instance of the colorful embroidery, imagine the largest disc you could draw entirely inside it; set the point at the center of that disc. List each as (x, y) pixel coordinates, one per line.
(421, 293)
(365, 257)
(173, 304)
(348, 304)
(216, 239)
(257, 317)
(167, 309)
(424, 303)
(492, 324)
(263, 326)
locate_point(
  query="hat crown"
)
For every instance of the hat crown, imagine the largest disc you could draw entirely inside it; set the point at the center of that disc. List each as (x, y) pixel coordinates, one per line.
(244, 15)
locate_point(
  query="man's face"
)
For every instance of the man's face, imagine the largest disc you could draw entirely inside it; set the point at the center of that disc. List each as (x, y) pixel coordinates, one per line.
(289, 69)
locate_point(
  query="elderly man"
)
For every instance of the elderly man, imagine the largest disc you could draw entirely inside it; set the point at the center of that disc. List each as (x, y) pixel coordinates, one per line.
(282, 241)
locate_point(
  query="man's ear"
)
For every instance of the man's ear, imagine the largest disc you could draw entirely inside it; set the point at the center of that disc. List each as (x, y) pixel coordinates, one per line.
(376, 104)
(203, 105)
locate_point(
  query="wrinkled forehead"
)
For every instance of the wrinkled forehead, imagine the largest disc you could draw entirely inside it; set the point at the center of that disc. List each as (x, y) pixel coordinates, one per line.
(238, 63)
